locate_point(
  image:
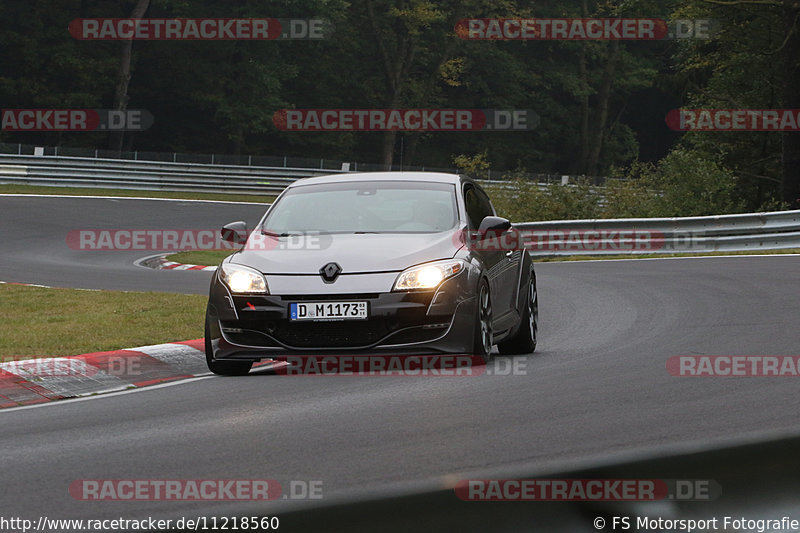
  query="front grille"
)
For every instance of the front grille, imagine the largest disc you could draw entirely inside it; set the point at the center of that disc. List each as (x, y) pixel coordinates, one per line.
(328, 297)
(334, 334)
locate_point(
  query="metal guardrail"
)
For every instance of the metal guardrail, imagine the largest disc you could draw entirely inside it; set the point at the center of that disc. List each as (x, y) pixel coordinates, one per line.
(63, 171)
(720, 233)
(180, 157)
(149, 175)
(723, 233)
(234, 175)
(240, 160)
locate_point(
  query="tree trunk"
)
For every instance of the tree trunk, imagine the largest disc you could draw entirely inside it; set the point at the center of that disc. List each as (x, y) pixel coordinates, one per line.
(115, 138)
(603, 102)
(790, 152)
(387, 149)
(411, 148)
(581, 162)
(389, 138)
(396, 68)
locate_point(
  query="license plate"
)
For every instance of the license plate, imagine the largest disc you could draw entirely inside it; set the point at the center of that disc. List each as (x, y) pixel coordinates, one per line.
(328, 311)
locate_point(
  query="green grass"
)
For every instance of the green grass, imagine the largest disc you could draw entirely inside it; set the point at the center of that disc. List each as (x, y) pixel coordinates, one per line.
(200, 257)
(75, 191)
(36, 321)
(650, 256)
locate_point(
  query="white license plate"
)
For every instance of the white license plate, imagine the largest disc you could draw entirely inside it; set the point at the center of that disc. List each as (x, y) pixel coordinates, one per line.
(328, 311)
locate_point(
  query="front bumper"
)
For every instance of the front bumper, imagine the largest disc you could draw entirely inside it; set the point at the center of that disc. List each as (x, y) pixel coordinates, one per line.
(252, 327)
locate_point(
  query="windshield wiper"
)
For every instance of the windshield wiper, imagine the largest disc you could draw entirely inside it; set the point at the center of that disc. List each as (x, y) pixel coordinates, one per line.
(277, 235)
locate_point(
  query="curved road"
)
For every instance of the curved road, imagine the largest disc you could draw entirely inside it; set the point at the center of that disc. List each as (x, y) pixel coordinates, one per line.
(34, 246)
(597, 387)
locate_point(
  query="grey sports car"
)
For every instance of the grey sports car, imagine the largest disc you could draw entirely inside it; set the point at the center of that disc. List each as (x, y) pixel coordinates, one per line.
(402, 263)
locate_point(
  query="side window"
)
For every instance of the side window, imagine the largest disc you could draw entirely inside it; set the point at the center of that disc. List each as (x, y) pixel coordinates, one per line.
(478, 206)
(486, 205)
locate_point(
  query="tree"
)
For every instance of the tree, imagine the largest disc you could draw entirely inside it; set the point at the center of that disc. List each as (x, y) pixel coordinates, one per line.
(752, 62)
(124, 75)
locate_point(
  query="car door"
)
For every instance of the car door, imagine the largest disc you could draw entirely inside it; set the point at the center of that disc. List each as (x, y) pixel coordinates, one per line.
(478, 207)
(511, 263)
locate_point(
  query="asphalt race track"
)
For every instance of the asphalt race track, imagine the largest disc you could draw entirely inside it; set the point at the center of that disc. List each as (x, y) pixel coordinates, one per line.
(597, 386)
(34, 247)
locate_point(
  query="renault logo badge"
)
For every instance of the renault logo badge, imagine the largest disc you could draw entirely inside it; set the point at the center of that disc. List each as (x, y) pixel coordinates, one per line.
(330, 272)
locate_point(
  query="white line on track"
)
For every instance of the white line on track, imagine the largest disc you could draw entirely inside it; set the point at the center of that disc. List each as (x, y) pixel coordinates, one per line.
(110, 393)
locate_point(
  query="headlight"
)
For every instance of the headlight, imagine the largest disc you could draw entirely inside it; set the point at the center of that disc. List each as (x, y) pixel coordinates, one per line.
(427, 276)
(241, 279)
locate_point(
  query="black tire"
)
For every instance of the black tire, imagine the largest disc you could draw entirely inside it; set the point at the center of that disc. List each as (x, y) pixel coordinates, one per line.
(224, 368)
(483, 338)
(524, 340)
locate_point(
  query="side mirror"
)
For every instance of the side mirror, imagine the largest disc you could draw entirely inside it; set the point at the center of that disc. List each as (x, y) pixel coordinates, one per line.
(235, 232)
(493, 226)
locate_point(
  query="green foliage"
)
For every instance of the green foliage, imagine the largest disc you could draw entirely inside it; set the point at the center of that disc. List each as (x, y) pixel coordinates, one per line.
(631, 197)
(692, 184)
(476, 167)
(522, 200)
(685, 183)
(751, 63)
(601, 103)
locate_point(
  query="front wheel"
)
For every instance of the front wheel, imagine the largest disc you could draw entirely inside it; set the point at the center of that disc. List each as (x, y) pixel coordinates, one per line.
(524, 340)
(224, 368)
(484, 335)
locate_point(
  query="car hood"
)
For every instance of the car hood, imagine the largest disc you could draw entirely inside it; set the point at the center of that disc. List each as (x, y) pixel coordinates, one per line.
(354, 253)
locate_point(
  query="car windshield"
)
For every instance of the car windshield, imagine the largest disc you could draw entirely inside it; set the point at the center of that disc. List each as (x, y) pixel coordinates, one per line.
(364, 207)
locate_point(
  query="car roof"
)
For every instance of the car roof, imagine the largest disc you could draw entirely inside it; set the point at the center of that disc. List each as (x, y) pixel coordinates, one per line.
(437, 177)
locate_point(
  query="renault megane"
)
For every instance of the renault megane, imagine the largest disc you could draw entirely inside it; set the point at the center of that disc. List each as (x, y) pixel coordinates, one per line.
(372, 263)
